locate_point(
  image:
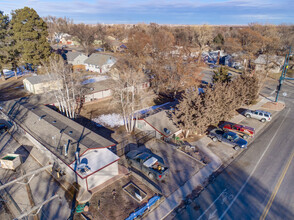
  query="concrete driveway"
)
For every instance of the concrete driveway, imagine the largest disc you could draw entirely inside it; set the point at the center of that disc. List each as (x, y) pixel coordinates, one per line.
(182, 167)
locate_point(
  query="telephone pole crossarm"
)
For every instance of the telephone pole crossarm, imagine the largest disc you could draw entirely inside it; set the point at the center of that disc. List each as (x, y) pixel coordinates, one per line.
(17, 180)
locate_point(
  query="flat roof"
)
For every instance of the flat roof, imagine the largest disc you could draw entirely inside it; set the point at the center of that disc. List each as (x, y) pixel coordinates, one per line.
(95, 160)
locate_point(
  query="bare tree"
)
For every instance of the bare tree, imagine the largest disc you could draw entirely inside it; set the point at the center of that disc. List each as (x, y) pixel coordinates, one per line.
(129, 92)
(56, 27)
(86, 35)
(203, 36)
(270, 45)
(67, 84)
(139, 43)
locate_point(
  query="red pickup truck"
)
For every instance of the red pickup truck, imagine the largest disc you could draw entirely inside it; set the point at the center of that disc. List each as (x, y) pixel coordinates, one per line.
(244, 131)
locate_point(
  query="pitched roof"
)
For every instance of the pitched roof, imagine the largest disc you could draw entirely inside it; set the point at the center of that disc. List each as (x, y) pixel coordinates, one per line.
(162, 122)
(70, 56)
(100, 59)
(100, 86)
(55, 131)
(38, 79)
(262, 59)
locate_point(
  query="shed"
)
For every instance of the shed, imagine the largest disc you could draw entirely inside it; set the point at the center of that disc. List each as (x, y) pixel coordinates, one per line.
(41, 84)
(99, 90)
(161, 123)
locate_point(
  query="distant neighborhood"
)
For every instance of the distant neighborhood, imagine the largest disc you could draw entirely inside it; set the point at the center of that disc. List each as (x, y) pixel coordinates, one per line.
(128, 121)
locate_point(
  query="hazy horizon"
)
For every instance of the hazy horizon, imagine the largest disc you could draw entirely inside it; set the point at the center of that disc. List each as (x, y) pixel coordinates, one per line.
(166, 12)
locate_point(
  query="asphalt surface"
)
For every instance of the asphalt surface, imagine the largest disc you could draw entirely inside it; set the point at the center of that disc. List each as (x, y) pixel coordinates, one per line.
(259, 183)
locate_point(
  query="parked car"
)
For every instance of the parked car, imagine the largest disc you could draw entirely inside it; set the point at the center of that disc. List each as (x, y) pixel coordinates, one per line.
(147, 162)
(242, 130)
(263, 116)
(229, 137)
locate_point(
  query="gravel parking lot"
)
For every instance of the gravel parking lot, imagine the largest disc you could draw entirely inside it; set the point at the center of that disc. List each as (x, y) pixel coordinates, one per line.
(181, 166)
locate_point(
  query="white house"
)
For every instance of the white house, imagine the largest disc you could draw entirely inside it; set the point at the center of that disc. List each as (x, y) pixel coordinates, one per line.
(100, 63)
(99, 90)
(40, 84)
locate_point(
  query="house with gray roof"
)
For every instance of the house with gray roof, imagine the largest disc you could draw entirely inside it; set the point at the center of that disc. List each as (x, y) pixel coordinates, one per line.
(99, 90)
(100, 63)
(41, 83)
(80, 154)
(272, 63)
(161, 123)
(75, 58)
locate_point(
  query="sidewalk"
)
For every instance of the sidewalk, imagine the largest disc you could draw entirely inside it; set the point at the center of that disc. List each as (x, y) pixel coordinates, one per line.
(171, 202)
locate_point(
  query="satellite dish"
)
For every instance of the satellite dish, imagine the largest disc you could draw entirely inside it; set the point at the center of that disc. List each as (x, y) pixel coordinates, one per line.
(81, 166)
(166, 131)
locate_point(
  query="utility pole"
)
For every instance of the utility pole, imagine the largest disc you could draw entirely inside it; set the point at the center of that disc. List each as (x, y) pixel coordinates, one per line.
(283, 74)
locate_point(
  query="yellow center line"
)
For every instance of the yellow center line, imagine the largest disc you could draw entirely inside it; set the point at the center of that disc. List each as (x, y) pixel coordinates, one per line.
(274, 193)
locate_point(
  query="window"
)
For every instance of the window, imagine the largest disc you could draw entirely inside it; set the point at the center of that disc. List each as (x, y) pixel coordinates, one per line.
(261, 114)
(256, 113)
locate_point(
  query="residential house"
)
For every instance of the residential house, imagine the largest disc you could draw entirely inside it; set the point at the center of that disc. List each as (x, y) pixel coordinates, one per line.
(272, 63)
(100, 63)
(99, 90)
(77, 59)
(79, 155)
(161, 123)
(40, 84)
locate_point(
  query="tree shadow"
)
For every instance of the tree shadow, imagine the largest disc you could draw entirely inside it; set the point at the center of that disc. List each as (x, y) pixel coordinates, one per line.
(241, 111)
(100, 130)
(220, 193)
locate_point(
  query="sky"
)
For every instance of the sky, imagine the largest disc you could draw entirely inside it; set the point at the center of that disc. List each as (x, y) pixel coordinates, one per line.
(215, 12)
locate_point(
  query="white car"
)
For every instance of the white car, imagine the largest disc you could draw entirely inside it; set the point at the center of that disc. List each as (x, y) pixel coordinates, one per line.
(263, 116)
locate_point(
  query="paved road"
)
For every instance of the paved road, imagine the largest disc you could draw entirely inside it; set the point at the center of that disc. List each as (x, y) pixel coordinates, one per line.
(259, 183)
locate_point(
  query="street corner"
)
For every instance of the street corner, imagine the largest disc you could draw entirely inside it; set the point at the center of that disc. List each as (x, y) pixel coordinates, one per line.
(275, 106)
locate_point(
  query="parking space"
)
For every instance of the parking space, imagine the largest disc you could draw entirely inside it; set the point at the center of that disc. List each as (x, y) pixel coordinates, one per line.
(225, 151)
(182, 167)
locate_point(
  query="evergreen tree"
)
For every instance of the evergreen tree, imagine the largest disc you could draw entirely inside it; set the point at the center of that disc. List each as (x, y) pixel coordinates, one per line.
(221, 75)
(4, 23)
(185, 112)
(29, 34)
(219, 41)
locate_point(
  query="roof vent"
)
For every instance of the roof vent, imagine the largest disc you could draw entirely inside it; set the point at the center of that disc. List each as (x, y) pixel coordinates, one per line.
(70, 132)
(54, 121)
(41, 117)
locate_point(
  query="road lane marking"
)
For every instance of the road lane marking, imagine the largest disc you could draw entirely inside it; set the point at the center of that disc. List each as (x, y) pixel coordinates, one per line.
(211, 204)
(274, 193)
(249, 177)
(212, 215)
